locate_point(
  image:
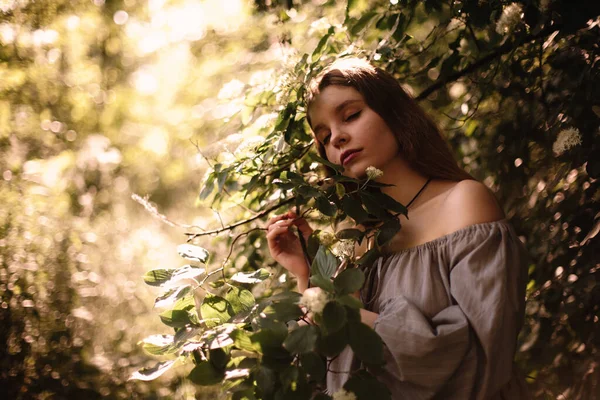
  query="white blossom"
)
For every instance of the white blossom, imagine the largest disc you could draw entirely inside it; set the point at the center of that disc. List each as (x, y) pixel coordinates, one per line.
(373, 173)
(510, 18)
(246, 148)
(326, 238)
(566, 139)
(342, 394)
(344, 248)
(314, 300)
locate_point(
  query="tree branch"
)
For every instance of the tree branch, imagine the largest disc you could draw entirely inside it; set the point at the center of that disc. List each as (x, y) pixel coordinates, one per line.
(505, 48)
(261, 214)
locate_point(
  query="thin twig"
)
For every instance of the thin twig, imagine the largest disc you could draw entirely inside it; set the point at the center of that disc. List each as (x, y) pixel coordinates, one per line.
(261, 214)
(154, 211)
(505, 48)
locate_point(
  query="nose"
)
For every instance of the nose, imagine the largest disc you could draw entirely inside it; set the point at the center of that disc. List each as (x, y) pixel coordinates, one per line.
(339, 137)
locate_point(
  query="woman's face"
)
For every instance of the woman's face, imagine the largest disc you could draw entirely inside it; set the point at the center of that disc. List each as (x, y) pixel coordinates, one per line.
(352, 134)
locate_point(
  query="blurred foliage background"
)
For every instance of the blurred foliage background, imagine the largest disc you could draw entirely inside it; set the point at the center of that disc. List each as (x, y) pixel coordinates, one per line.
(100, 100)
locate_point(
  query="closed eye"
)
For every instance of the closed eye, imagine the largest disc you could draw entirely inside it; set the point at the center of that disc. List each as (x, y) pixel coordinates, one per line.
(353, 116)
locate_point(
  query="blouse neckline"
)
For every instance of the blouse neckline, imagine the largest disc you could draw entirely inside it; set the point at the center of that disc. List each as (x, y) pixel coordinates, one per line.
(450, 236)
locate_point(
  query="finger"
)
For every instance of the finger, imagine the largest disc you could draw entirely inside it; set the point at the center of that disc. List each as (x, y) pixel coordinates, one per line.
(286, 223)
(303, 227)
(280, 217)
(276, 232)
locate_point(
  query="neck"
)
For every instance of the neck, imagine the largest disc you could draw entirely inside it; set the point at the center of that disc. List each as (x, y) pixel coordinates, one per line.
(407, 182)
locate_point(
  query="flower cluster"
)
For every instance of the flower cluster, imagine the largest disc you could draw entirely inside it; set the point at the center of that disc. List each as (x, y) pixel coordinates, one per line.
(566, 139)
(344, 248)
(510, 18)
(342, 394)
(373, 173)
(326, 238)
(314, 300)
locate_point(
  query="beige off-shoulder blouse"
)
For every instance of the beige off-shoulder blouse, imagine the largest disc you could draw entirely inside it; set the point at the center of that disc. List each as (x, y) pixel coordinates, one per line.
(449, 312)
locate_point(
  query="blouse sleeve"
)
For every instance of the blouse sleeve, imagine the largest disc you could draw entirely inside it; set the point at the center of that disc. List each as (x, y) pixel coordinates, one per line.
(487, 285)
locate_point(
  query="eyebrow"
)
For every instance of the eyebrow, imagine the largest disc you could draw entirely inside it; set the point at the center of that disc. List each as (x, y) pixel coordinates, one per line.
(338, 108)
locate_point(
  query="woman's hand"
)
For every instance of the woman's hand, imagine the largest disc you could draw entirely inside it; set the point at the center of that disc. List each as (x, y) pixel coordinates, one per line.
(285, 246)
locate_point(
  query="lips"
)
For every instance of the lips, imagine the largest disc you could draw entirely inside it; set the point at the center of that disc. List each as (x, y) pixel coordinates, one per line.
(349, 155)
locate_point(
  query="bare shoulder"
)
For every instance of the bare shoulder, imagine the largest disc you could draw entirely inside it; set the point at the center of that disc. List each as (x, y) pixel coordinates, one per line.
(470, 202)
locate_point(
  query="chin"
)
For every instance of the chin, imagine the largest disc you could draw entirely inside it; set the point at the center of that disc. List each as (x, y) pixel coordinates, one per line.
(351, 172)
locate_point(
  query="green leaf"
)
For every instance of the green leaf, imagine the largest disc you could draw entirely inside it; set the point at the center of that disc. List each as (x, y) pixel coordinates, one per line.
(265, 380)
(215, 310)
(176, 318)
(373, 207)
(400, 28)
(340, 190)
(322, 282)
(308, 191)
(218, 358)
(366, 387)
(205, 374)
(185, 303)
(350, 6)
(324, 263)
(157, 277)
(241, 340)
(240, 299)
(389, 203)
(322, 42)
(350, 301)
(158, 345)
(171, 296)
(314, 365)
(208, 188)
(302, 340)
(332, 344)
(251, 277)
(283, 296)
(293, 177)
(328, 163)
(334, 317)
(387, 231)
(182, 314)
(270, 338)
(355, 234)
(313, 244)
(148, 374)
(354, 209)
(283, 311)
(184, 334)
(369, 257)
(294, 384)
(365, 342)
(362, 22)
(325, 206)
(349, 281)
(284, 117)
(193, 253)
(171, 277)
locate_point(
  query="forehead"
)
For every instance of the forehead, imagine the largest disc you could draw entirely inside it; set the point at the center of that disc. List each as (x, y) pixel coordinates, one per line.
(328, 101)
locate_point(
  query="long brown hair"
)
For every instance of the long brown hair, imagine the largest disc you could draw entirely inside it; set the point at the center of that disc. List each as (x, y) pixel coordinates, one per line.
(420, 141)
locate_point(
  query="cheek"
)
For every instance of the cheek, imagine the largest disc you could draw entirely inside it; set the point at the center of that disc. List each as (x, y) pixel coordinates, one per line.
(330, 156)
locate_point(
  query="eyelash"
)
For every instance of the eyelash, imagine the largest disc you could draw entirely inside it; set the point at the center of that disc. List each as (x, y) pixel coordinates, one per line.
(349, 118)
(353, 116)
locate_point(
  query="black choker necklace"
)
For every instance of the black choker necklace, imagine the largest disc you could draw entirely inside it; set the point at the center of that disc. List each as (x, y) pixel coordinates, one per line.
(418, 193)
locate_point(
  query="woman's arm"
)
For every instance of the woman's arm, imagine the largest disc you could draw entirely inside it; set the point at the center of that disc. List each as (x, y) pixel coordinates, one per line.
(368, 317)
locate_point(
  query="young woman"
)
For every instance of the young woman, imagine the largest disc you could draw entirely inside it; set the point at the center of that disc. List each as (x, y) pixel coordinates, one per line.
(447, 296)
